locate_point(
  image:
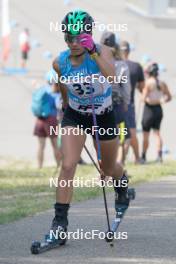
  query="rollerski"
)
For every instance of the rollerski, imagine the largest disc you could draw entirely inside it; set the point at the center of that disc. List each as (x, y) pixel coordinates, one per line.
(57, 235)
(123, 197)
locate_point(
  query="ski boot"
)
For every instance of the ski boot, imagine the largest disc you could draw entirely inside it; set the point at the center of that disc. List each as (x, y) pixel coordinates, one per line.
(123, 196)
(57, 236)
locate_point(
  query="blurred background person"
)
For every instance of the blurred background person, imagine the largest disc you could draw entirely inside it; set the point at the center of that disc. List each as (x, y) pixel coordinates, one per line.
(45, 101)
(155, 94)
(137, 81)
(24, 42)
(121, 91)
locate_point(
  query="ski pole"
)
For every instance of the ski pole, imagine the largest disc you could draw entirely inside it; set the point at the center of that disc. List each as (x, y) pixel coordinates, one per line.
(109, 233)
(93, 161)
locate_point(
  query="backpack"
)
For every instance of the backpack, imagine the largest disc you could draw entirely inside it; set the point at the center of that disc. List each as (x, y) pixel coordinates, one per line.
(41, 103)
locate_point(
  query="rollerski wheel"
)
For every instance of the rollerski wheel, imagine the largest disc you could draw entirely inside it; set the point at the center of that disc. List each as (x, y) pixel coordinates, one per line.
(131, 193)
(35, 247)
(40, 247)
(109, 236)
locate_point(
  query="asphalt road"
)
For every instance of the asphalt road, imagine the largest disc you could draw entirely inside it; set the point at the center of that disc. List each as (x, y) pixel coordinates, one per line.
(150, 224)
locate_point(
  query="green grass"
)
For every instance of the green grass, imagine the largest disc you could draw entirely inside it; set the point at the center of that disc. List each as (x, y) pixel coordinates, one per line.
(26, 191)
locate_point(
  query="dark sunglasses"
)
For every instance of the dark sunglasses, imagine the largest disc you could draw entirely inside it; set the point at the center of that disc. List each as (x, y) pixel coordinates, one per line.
(71, 39)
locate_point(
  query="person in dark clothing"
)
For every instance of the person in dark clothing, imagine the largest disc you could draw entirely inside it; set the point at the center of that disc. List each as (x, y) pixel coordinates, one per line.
(155, 94)
(120, 92)
(137, 81)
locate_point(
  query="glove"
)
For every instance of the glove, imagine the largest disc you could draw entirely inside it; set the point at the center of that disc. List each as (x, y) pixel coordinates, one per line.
(87, 42)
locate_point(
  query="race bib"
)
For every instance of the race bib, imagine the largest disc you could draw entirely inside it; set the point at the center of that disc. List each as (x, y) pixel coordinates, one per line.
(85, 86)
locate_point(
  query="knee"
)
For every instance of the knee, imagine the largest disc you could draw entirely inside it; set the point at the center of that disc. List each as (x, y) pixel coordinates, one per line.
(108, 172)
(41, 148)
(68, 167)
(134, 138)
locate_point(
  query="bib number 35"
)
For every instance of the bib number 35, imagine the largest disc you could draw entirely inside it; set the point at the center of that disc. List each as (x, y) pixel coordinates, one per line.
(83, 89)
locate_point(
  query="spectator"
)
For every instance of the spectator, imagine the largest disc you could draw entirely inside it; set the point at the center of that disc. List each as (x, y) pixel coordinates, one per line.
(120, 91)
(24, 46)
(45, 119)
(137, 81)
(155, 94)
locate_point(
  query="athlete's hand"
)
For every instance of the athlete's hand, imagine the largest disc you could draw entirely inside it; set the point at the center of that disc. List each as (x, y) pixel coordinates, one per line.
(87, 42)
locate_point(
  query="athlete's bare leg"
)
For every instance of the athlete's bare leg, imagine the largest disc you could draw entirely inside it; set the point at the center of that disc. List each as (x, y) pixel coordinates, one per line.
(72, 146)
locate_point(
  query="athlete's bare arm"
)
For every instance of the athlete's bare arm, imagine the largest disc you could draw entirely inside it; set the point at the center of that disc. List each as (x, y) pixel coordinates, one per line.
(106, 62)
(167, 94)
(145, 92)
(61, 87)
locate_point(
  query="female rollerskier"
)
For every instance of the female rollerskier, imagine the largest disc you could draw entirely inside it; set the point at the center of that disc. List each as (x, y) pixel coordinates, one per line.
(84, 58)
